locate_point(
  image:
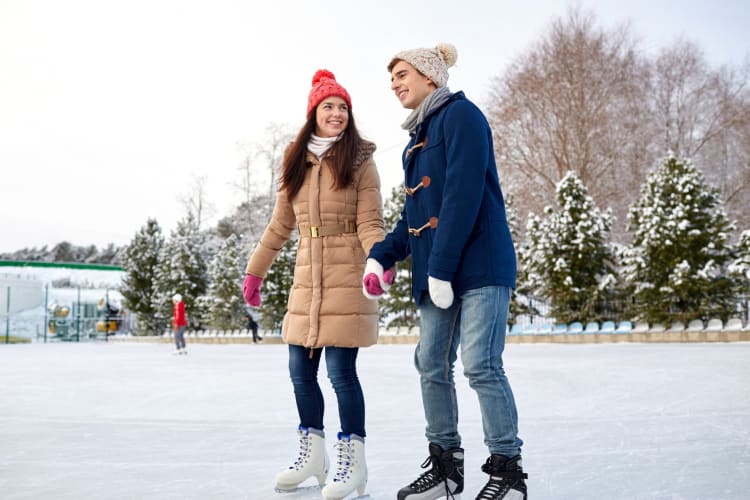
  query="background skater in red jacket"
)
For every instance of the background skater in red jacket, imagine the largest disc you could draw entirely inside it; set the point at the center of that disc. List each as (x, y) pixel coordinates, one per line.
(179, 323)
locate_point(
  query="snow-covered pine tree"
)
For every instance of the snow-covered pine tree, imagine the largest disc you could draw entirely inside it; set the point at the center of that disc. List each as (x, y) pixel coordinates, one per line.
(224, 303)
(511, 214)
(138, 288)
(248, 220)
(741, 263)
(181, 269)
(676, 265)
(739, 269)
(397, 307)
(567, 258)
(276, 287)
(517, 307)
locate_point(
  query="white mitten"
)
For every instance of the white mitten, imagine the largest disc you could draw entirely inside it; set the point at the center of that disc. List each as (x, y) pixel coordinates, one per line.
(441, 292)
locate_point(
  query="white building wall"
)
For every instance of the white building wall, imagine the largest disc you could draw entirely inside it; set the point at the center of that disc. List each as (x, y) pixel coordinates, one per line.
(24, 294)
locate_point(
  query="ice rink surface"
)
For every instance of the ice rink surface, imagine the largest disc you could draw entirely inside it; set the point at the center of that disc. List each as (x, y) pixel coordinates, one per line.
(599, 421)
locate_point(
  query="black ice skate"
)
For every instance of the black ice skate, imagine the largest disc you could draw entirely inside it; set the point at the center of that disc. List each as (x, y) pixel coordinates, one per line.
(506, 479)
(444, 480)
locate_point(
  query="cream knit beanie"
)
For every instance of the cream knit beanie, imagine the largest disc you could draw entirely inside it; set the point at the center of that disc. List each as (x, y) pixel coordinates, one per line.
(431, 62)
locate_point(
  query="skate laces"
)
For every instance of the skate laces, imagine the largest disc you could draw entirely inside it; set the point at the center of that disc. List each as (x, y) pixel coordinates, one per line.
(498, 486)
(493, 489)
(430, 478)
(304, 451)
(343, 460)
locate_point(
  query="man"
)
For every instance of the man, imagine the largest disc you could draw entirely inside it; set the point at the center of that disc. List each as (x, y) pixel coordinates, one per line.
(463, 269)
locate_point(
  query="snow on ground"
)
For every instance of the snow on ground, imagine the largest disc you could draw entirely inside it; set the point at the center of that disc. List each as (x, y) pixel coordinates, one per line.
(131, 421)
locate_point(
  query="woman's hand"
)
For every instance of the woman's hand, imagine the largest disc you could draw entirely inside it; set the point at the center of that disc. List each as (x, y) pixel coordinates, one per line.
(375, 281)
(251, 290)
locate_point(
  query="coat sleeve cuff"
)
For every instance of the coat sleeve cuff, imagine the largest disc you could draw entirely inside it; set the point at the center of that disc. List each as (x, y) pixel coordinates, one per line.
(442, 268)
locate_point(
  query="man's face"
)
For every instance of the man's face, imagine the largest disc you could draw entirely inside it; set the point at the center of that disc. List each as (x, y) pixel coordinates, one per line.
(410, 86)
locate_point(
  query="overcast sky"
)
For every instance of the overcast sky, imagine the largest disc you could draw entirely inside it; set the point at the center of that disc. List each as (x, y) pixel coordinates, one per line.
(109, 109)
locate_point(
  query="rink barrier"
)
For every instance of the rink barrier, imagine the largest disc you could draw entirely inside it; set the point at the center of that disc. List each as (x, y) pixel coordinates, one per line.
(246, 337)
(676, 333)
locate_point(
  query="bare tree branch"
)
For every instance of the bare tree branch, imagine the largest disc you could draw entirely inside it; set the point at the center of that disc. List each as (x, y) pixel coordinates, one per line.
(195, 200)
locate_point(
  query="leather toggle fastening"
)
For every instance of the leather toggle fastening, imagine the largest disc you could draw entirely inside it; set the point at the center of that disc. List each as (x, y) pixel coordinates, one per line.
(418, 145)
(432, 224)
(425, 183)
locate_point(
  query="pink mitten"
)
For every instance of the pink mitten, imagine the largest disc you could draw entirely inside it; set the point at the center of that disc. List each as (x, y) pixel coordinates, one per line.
(251, 290)
(388, 276)
(375, 281)
(371, 284)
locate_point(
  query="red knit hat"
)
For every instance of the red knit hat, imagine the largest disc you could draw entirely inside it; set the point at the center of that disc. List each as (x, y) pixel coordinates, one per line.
(324, 85)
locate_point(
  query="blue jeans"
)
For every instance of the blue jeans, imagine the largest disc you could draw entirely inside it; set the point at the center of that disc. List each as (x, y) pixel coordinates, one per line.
(477, 319)
(341, 364)
(179, 337)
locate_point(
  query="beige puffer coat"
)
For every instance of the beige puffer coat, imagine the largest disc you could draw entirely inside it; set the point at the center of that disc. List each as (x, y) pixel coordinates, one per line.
(326, 304)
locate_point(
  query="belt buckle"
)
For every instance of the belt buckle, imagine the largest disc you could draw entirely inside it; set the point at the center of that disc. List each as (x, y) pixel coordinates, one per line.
(314, 232)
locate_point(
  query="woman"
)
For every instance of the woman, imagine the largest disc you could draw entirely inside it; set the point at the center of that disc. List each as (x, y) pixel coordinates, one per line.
(330, 192)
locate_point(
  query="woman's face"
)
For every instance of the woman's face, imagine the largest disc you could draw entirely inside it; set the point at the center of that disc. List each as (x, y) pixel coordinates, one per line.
(331, 117)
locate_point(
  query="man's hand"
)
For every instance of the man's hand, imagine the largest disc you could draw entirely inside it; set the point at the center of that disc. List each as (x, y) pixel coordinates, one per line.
(441, 292)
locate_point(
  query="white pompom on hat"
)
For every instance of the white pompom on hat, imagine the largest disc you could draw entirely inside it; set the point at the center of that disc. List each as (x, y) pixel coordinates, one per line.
(177, 297)
(431, 62)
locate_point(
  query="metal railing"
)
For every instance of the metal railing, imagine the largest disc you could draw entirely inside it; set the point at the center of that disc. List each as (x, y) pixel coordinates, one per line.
(73, 320)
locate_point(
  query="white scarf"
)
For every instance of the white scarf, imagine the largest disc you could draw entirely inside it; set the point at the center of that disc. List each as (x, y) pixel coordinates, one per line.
(320, 145)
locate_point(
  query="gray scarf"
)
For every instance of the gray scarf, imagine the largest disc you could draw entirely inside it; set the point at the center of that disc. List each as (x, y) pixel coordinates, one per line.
(432, 101)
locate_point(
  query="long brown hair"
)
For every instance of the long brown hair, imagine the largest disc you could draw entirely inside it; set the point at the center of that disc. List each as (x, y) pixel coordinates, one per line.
(342, 155)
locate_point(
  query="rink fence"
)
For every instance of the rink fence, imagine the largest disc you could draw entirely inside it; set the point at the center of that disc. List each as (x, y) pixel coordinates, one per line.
(736, 333)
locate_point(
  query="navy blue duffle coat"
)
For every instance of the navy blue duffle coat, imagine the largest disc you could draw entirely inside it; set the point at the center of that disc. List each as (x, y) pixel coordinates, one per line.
(469, 242)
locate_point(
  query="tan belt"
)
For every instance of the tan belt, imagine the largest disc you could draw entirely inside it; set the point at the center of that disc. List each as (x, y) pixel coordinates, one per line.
(328, 230)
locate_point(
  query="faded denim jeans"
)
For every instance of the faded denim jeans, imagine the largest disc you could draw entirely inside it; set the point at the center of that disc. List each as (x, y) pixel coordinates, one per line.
(477, 320)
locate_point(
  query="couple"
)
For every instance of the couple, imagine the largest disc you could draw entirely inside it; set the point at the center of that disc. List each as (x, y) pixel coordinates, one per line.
(463, 268)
